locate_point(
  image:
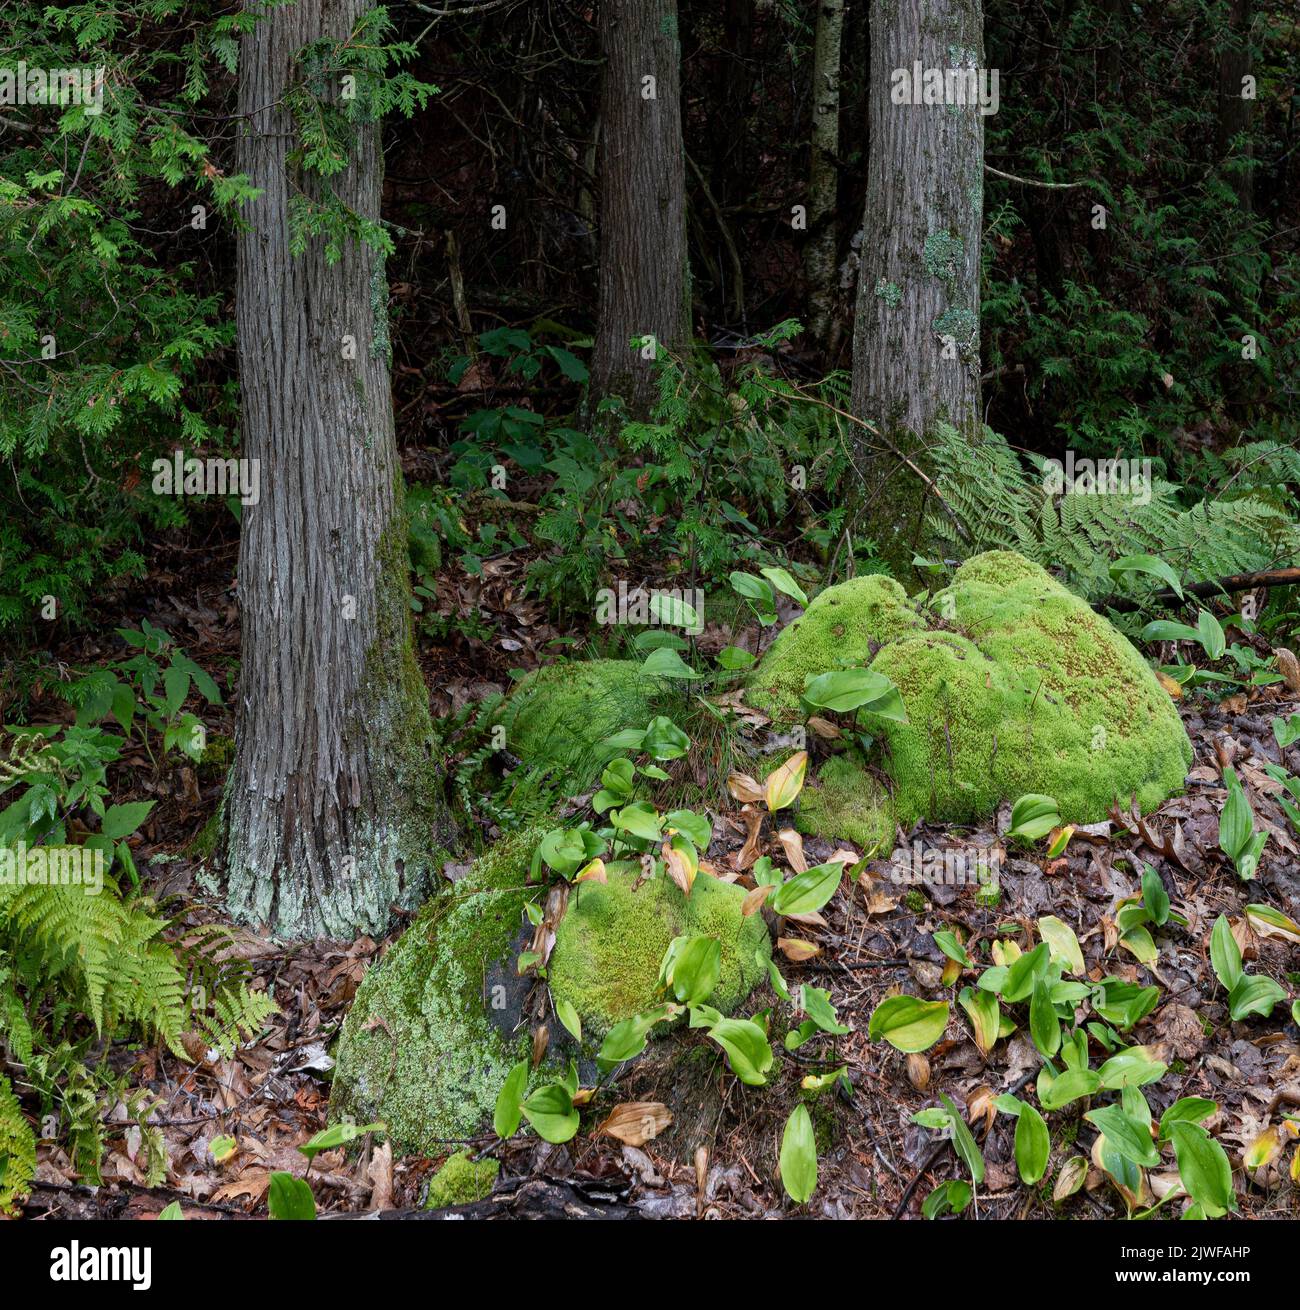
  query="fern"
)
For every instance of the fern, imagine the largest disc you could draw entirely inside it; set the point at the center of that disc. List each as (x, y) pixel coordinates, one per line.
(17, 1151)
(1001, 504)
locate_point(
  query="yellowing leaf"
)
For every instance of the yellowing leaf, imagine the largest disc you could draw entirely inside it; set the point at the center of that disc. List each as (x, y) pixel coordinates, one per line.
(796, 949)
(754, 899)
(1264, 1149)
(784, 784)
(744, 789)
(1070, 1179)
(593, 872)
(635, 1122)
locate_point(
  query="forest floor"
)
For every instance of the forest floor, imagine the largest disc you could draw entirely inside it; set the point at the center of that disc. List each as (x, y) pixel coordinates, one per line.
(876, 935)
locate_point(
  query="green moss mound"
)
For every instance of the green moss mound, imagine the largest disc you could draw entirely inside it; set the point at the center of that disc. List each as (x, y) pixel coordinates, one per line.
(845, 800)
(461, 1181)
(847, 623)
(610, 943)
(1012, 684)
(419, 1048)
(561, 713)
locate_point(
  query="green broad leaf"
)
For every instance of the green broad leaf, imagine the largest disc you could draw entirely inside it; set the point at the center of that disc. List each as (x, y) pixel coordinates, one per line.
(985, 1016)
(1023, 972)
(808, 892)
(946, 941)
(120, 821)
(1072, 1085)
(290, 1198)
(1286, 732)
(1123, 1003)
(1034, 816)
(176, 686)
(1209, 632)
(694, 826)
(758, 590)
(1151, 564)
(734, 658)
(1140, 944)
(551, 1112)
(1131, 1139)
(570, 1018)
(640, 818)
(1033, 1144)
(962, 1141)
(907, 1023)
(1044, 1024)
(627, 1039)
(1062, 944)
(1225, 954)
(951, 1197)
(1166, 630)
(672, 611)
(510, 1101)
(748, 1052)
(777, 982)
(816, 1004)
(843, 690)
(695, 968)
(618, 776)
(667, 663)
(785, 584)
(1188, 1109)
(1254, 994)
(664, 740)
(1236, 822)
(1155, 899)
(172, 1211)
(1203, 1167)
(338, 1135)
(799, 1156)
(1133, 1067)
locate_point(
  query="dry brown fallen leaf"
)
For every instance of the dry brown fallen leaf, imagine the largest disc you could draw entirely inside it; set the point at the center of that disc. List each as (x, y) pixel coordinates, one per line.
(792, 845)
(918, 1071)
(635, 1122)
(541, 1039)
(381, 1177)
(796, 950)
(1288, 666)
(755, 898)
(744, 789)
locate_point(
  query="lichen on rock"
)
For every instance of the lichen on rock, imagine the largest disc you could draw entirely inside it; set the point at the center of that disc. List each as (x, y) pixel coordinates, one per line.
(610, 944)
(422, 1047)
(1011, 683)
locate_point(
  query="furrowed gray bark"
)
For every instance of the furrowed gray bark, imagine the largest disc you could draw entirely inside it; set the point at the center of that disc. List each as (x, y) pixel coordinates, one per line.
(332, 810)
(643, 280)
(918, 290)
(823, 179)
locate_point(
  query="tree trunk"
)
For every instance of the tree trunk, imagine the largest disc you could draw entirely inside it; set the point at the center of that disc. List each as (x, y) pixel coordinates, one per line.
(332, 811)
(916, 339)
(643, 285)
(823, 180)
(1234, 108)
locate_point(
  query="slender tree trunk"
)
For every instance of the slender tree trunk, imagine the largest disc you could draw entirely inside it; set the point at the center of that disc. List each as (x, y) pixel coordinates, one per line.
(823, 180)
(916, 340)
(1234, 108)
(331, 810)
(643, 282)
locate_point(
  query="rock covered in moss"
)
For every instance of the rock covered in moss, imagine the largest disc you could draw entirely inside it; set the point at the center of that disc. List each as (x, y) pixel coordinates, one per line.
(423, 1048)
(610, 943)
(846, 800)
(845, 624)
(462, 1181)
(1011, 683)
(561, 713)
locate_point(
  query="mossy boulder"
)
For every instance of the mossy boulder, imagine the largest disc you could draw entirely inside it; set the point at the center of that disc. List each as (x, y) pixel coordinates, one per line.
(462, 1181)
(561, 713)
(609, 945)
(1011, 683)
(846, 800)
(423, 1047)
